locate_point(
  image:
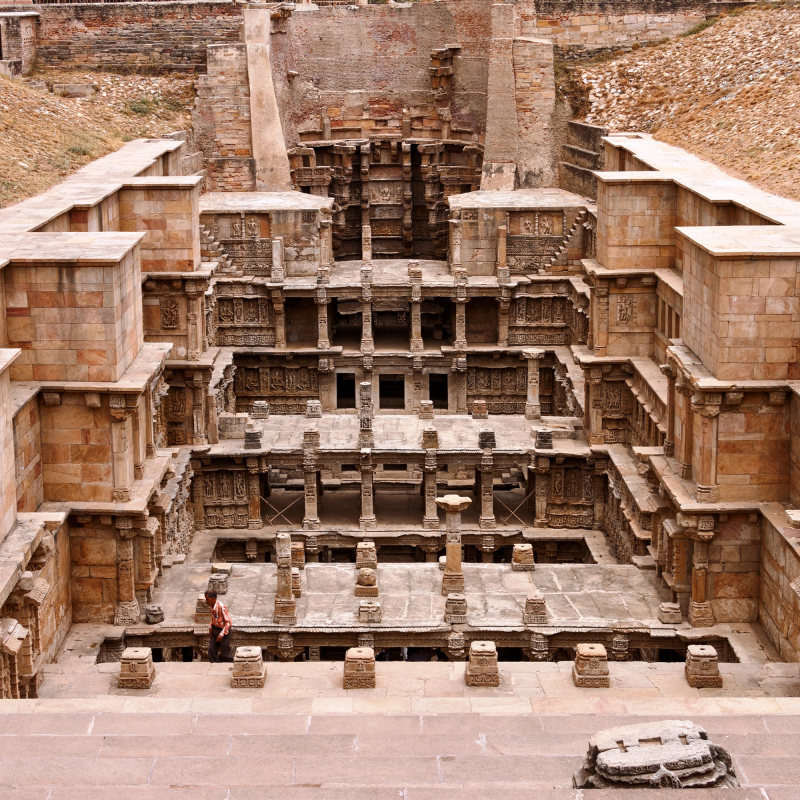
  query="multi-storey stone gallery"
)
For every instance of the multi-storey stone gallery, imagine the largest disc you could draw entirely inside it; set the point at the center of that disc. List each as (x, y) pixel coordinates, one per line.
(406, 366)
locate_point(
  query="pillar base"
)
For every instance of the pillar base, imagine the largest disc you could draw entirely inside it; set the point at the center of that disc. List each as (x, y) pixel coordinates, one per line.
(685, 471)
(323, 344)
(366, 439)
(453, 583)
(669, 449)
(540, 523)
(533, 411)
(311, 524)
(430, 523)
(285, 612)
(254, 524)
(700, 615)
(707, 494)
(417, 346)
(367, 523)
(487, 523)
(127, 613)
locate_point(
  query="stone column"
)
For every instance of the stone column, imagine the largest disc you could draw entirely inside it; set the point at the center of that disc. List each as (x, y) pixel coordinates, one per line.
(461, 323)
(198, 490)
(280, 320)
(365, 434)
(121, 448)
(687, 431)
(486, 473)
(706, 478)
(453, 580)
(195, 318)
(323, 342)
(600, 319)
(593, 415)
(277, 274)
(431, 520)
(533, 408)
(415, 275)
(285, 606)
(459, 369)
(367, 522)
(700, 614)
(254, 497)
(367, 342)
(502, 321)
(127, 610)
(311, 515)
(502, 261)
(542, 492)
(669, 442)
(598, 490)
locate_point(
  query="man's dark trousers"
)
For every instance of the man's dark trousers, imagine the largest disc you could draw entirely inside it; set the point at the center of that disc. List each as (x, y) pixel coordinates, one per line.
(219, 651)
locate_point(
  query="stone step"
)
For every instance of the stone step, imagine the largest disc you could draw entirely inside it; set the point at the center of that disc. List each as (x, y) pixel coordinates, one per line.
(54, 755)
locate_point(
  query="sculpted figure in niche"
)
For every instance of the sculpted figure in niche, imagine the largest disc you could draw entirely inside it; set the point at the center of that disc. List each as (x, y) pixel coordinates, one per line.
(546, 225)
(225, 486)
(169, 312)
(558, 484)
(253, 228)
(277, 379)
(251, 381)
(239, 484)
(208, 487)
(251, 311)
(178, 402)
(225, 312)
(303, 381)
(236, 227)
(521, 309)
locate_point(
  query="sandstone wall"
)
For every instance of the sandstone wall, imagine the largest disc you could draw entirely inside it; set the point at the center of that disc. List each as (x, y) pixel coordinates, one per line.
(157, 37)
(28, 456)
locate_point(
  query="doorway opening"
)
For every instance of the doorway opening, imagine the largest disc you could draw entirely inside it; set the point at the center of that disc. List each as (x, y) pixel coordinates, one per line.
(438, 390)
(392, 391)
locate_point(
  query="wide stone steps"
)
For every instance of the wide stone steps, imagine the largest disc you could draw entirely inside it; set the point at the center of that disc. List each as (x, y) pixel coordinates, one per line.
(47, 755)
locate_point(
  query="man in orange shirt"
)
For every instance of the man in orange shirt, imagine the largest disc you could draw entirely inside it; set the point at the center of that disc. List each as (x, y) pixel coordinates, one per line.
(219, 640)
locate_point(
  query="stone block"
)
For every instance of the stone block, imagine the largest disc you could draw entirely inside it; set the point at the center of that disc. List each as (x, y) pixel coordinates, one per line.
(487, 439)
(74, 89)
(670, 614)
(455, 608)
(260, 409)
(482, 669)
(535, 609)
(479, 409)
(313, 409)
(296, 590)
(426, 409)
(136, 668)
(249, 671)
(522, 558)
(298, 551)
(430, 439)
(218, 581)
(222, 568)
(369, 611)
(178, 559)
(702, 667)
(590, 669)
(442, 563)
(366, 555)
(252, 437)
(202, 611)
(366, 583)
(153, 614)
(544, 439)
(359, 668)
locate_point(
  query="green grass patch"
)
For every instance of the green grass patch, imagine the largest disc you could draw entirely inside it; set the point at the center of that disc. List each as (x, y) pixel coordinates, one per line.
(701, 26)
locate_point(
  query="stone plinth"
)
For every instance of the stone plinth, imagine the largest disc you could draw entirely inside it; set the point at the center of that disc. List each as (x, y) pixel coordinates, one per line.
(369, 611)
(426, 409)
(313, 409)
(455, 608)
(453, 578)
(482, 668)
(136, 668)
(202, 611)
(249, 671)
(366, 555)
(535, 609)
(702, 667)
(544, 439)
(479, 409)
(670, 614)
(590, 669)
(296, 590)
(153, 614)
(442, 563)
(366, 583)
(260, 409)
(218, 581)
(359, 668)
(222, 567)
(430, 439)
(252, 437)
(522, 558)
(298, 555)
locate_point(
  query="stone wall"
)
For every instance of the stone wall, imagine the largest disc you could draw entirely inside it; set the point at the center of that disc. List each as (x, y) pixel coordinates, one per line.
(28, 455)
(93, 549)
(141, 37)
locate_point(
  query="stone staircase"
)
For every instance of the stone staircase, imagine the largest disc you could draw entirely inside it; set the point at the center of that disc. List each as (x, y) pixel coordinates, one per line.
(212, 251)
(560, 258)
(583, 153)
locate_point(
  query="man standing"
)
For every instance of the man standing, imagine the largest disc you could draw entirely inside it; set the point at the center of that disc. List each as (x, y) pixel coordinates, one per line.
(219, 640)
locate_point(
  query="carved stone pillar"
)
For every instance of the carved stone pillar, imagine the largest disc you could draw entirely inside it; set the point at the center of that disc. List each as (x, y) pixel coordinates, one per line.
(542, 493)
(533, 408)
(669, 442)
(367, 522)
(280, 320)
(681, 571)
(365, 434)
(600, 325)
(285, 606)
(459, 369)
(253, 497)
(431, 553)
(126, 611)
(198, 489)
(502, 260)
(198, 408)
(323, 342)
(502, 321)
(700, 614)
(121, 448)
(687, 430)
(461, 323)
(486, 477)
(312, 549)
(415, 275)
(706, 476)
(311, 514)
(195, 319)
(277, 274)
(367, 342)
(431, 520)
(453, 580)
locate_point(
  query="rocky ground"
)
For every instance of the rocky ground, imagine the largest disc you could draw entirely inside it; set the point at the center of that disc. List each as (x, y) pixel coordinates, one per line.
(729, 93)
(44, 137)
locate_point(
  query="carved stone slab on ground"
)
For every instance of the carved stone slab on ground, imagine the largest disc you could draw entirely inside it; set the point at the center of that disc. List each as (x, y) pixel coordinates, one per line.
(590, 669)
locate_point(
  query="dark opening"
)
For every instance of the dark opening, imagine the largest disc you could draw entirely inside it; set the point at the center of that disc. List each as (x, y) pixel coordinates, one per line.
(346, 390)
(395, 467)
(438, 390)
(305, 189)
(392, 391)
(187, 654)
(349, 468)
(158, 654)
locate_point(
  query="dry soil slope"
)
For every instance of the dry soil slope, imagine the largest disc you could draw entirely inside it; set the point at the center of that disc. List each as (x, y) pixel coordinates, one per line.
(43, 138)
(729, 93)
